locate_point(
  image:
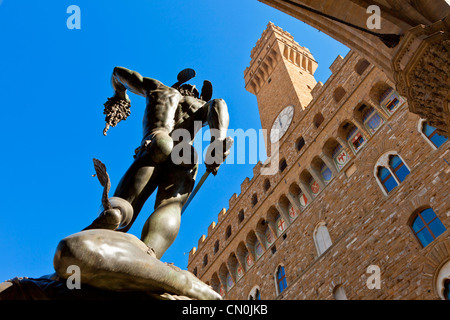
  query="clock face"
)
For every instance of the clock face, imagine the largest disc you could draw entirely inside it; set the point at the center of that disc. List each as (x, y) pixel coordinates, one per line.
(281, 124)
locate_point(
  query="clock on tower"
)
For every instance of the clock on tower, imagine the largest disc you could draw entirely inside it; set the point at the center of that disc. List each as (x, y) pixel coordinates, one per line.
(281, 123)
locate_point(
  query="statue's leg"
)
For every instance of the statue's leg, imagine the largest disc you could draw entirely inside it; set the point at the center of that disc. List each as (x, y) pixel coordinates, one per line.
(137, 184)
(161, 228)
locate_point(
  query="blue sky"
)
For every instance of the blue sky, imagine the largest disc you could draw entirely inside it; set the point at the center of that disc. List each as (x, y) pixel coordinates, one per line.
(54, 81)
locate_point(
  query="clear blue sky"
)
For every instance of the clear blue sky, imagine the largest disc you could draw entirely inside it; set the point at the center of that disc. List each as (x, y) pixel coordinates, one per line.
(54, 81)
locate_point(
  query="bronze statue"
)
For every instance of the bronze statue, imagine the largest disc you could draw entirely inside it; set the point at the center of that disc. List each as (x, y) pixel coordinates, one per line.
(168, 109)
(111, 259)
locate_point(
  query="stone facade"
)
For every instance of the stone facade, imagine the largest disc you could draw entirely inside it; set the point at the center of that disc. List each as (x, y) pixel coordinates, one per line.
(326, 217)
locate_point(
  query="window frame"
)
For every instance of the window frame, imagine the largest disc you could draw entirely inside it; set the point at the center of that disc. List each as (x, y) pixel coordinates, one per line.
(280, 278)
(391, 175)
(421, 129)
(418, 214)
(394, 170)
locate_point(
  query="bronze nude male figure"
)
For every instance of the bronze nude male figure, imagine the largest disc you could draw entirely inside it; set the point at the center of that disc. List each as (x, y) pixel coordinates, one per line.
(112, 262)
(168, 109)
(127, 262)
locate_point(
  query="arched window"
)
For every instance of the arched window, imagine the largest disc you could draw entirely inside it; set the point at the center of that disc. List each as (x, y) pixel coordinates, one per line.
(391, 171)
(281, 279)
(447, 289)
(442, 281)
(205, 260)
(386, 179)
(427, 226)
(322, 239)
(255, 294)
(430, 132)
(398, 168)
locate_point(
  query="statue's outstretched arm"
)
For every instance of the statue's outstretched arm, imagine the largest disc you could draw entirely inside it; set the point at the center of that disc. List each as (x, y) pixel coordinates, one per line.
(124, 79)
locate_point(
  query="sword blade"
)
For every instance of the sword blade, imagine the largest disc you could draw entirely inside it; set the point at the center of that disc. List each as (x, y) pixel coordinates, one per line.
(193, 193)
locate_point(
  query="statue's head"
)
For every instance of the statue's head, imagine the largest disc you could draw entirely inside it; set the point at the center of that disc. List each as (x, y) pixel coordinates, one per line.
(189, 90)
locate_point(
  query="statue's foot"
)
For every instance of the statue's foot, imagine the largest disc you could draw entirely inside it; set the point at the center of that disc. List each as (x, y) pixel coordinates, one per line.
(109, 219)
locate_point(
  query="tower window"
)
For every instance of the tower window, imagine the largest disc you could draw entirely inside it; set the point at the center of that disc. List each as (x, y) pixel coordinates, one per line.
(427, 226)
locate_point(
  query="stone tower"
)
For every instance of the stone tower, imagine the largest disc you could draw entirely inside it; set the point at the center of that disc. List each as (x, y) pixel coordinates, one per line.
(281, 74)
